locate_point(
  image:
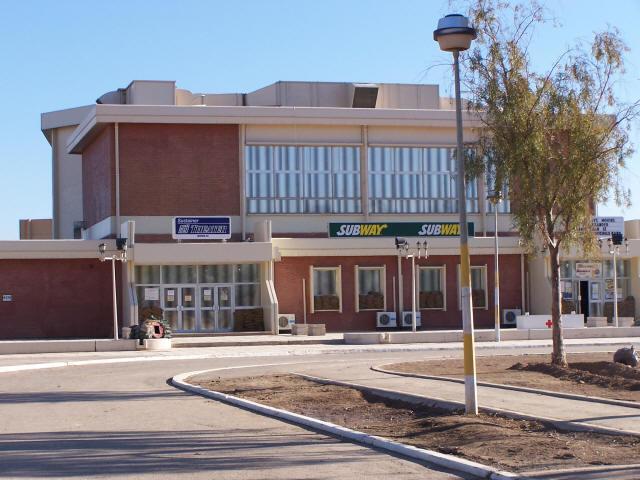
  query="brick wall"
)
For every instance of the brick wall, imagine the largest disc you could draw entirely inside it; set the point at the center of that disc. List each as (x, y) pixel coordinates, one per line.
(291, 270)
(179, 169)
(62, 298)
(98, 173)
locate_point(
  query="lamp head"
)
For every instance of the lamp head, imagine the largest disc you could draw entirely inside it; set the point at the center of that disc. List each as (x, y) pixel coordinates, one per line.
(102, 248)
(121, 243)
(454, 33)
(401, 243)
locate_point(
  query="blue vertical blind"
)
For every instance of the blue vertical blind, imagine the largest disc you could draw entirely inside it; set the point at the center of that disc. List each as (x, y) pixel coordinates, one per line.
(416, 180)
(295, 179)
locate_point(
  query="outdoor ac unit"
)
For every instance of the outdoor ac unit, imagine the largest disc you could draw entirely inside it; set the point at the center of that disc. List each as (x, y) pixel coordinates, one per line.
(406, 319)
(386, 319)
(509, 316)
(285, 321)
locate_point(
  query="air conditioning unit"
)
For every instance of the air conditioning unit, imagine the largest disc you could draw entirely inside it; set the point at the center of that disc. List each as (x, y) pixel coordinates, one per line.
(386, 320)
(509, 316)
(285, 321)
(406, 319)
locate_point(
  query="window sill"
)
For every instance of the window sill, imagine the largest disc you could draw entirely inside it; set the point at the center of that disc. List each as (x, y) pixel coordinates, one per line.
(322, 311)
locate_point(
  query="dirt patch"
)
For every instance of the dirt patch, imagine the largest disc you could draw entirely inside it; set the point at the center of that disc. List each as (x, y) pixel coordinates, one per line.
(514, 445)
(590, 374)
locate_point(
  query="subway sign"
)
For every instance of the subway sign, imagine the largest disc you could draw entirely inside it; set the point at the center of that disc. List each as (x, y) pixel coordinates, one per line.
(397, 229)
(201, 228)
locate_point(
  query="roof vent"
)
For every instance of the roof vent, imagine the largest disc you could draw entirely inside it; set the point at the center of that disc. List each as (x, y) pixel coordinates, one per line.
(364, 95)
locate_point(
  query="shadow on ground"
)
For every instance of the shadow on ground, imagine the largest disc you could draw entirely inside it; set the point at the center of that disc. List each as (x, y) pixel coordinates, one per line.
(82, 454)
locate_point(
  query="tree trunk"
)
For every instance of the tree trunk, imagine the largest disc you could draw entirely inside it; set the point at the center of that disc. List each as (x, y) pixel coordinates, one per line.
(559, 355)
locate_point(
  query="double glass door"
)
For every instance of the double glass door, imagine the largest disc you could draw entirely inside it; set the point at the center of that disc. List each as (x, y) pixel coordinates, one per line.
(180, 307)
(203, 308)
(216, 308)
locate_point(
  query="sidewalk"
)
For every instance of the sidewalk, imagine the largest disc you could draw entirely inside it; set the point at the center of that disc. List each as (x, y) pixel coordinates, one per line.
(53, 360)
(611, 416)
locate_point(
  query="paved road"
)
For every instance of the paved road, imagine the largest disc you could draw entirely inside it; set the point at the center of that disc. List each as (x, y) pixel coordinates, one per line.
(122, 420)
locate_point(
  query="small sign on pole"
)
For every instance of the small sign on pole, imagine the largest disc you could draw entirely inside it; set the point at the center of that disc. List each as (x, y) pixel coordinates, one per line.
(607, 226)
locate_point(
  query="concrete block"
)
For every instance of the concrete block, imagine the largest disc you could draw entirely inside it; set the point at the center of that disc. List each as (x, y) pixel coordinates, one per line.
(362, 338)
(46, 346)
(597, 322)
(124, 345)
(300, 329)
(625, 321)
(157, 344)
(514, 334)
(317, 329)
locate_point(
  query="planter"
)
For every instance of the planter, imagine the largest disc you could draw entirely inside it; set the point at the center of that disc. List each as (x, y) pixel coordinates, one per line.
(300, 329)
(597, 322)
(317, 329)
(157, 344)
(126, 333)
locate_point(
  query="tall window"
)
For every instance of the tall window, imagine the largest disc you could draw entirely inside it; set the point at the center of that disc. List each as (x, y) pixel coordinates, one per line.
(294, 179)
(370, 288)
(479, 293)
(431, 288)
(416, 180)
(326, 289)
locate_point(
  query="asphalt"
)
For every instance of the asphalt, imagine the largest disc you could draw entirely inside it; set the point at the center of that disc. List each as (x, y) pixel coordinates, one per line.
(122, 419)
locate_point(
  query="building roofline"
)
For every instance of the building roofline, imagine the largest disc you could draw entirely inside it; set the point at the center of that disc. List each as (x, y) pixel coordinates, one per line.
(100, 115)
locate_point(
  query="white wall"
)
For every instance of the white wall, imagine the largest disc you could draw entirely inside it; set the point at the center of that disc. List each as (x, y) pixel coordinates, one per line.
(67, 185)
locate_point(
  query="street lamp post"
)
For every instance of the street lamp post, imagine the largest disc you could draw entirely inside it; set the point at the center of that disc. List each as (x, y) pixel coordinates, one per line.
(454, 35)
(495, 199)
(402, 246)
(120, 256)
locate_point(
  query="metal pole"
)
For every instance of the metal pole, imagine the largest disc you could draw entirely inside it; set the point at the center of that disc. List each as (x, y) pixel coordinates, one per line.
(615, 286)
(304, 300)
(470, 386)
(413, 294)
(115, 298)
(496, 287)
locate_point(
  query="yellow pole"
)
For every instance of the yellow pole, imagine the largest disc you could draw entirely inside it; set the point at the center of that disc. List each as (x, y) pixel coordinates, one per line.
(470, 384)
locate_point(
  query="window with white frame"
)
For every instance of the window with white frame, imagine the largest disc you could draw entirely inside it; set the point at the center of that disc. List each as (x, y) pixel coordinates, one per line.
(326, 289)
(370, 288)
(431, 288)
(303, 179)
(416, 180)
(479, 293)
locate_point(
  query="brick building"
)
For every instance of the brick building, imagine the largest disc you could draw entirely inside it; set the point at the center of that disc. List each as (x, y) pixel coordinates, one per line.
(292, 165)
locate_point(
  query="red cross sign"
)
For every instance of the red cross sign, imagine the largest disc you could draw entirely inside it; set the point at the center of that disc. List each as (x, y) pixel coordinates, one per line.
(549, 323)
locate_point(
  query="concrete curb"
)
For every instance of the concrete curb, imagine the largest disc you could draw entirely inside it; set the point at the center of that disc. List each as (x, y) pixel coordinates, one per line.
(401, 348)
(435, 458)
(455, 405)
(570, 396)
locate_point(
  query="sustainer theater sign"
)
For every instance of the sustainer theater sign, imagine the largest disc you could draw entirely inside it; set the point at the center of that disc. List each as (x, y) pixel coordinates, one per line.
(397, 229)
(201, 228)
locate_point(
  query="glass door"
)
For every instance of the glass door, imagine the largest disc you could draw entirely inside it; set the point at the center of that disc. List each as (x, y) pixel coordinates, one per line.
(224, 300)
(180, 307)
(216, 308)
(207, 309)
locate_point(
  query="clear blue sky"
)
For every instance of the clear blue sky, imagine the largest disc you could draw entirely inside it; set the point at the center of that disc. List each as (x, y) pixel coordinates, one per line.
(61, 54)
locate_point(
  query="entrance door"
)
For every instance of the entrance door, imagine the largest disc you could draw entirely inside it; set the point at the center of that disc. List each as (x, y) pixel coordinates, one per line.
(180, 307)
(216, 308)
(584, 298)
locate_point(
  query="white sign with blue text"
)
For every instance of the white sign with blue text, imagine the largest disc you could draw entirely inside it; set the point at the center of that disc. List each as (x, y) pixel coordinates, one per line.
(201, 228)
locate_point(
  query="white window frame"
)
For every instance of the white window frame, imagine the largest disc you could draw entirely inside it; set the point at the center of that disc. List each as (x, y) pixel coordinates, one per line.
(338, 270)
(486, 288)
(443, 285)
(383, 286)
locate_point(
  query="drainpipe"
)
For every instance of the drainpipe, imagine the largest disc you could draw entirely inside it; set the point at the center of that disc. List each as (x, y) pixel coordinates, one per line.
(117, 180)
